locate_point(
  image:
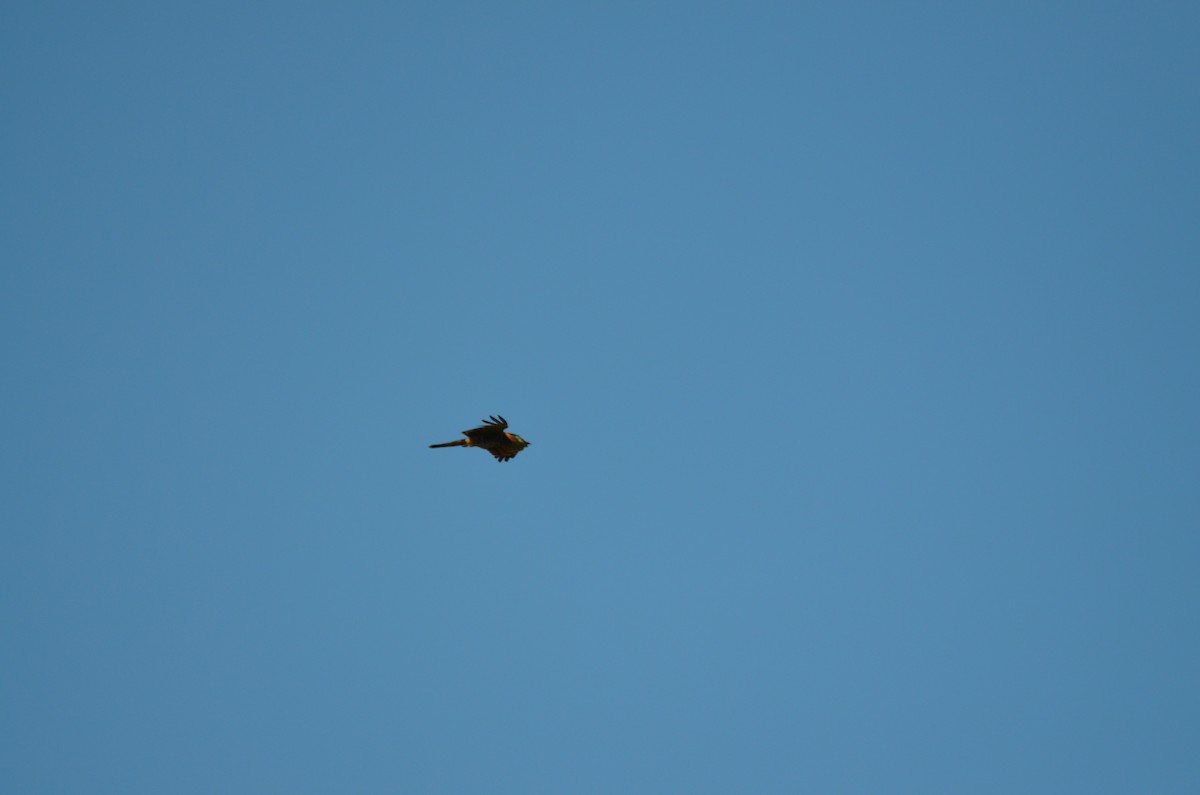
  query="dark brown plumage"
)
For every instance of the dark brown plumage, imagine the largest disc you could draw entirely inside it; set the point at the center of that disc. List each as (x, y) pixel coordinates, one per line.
(492, 437)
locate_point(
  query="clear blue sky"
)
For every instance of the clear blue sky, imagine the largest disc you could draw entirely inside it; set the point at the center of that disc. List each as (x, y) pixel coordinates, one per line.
(857, 344)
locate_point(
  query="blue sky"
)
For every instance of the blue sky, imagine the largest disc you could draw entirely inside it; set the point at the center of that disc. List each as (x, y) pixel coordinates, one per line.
(857, 344)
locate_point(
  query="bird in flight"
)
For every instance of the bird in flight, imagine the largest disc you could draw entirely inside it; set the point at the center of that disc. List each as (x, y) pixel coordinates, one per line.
(492, 437)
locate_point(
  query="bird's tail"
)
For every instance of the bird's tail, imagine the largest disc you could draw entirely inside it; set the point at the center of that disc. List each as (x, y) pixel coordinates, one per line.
(455, 443)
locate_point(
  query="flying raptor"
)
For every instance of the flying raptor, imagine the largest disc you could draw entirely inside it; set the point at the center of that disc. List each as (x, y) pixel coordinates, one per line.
(492, 437)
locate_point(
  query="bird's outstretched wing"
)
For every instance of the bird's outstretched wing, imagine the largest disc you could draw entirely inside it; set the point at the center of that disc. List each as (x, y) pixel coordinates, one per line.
(492, 428)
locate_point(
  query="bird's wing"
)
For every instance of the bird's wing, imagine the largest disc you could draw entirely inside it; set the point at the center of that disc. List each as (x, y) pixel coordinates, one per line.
(503, 455)
(491, 429)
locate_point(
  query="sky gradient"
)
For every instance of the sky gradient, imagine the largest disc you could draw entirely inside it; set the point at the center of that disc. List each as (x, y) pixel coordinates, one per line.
(857, 345)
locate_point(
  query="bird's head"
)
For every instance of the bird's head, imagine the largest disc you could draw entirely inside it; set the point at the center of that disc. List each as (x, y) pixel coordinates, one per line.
(517, 439)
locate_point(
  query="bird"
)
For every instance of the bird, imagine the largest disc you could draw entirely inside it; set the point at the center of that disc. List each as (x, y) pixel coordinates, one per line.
(492, 437)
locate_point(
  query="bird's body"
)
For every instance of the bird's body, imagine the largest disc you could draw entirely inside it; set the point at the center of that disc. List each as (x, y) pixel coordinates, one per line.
(492, 437)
